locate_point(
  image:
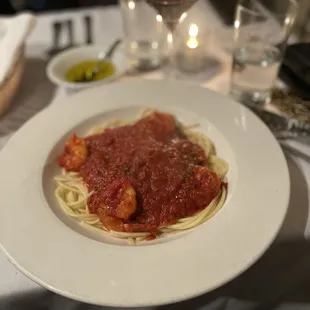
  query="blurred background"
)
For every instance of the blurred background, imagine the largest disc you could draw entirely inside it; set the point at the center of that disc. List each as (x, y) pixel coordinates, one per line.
(224, 8)
(13, 6)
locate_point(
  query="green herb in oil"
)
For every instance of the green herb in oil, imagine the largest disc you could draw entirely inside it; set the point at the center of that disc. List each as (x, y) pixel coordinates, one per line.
(83, 71)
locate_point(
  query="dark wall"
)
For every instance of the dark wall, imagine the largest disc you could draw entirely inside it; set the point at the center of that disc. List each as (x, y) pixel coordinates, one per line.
(226, 9)
(13, 6)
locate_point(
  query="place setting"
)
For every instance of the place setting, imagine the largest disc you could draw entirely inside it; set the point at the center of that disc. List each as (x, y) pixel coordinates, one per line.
(143, 182)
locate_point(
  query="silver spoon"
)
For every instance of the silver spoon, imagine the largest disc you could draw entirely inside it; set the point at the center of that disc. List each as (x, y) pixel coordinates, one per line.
(102, 57)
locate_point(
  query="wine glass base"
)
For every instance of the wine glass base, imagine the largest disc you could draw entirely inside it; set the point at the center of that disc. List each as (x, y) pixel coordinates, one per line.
(192, 71)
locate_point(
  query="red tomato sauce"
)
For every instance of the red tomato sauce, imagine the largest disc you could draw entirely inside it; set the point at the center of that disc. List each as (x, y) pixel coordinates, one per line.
(146, 175)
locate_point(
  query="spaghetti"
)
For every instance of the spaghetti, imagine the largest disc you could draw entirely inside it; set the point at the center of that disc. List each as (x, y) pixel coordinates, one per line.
(77, 196)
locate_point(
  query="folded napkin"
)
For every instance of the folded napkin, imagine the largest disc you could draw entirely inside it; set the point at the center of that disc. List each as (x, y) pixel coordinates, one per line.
(13, 33)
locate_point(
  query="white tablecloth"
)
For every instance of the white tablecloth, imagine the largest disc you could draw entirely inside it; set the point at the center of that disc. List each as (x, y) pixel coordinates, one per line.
(280, 279)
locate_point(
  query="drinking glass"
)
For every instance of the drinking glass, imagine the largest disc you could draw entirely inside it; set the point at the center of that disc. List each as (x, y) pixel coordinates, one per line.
(261, 31)
(171, 12)
(145, 36)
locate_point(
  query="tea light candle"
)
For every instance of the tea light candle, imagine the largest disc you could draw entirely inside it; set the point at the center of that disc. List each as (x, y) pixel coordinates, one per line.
(192, 42)
(191, 57)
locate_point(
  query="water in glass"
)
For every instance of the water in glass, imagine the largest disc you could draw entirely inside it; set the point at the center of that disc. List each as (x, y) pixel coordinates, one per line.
(254, 72)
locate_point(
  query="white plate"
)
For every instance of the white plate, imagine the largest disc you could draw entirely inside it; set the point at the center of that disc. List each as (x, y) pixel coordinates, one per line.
(62, 62)
(64, 257)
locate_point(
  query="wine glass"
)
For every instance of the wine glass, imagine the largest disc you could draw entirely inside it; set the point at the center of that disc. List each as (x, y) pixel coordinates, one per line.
(171, 12)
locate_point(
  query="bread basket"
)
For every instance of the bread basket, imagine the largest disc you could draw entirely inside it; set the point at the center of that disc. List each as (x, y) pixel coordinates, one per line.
(15, 30)
(11, 83)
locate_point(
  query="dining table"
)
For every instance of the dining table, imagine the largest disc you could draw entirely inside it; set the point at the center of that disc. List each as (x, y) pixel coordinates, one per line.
(280, 279)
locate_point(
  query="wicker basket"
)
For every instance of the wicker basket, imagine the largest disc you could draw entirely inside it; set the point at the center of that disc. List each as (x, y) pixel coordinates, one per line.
(10, 85)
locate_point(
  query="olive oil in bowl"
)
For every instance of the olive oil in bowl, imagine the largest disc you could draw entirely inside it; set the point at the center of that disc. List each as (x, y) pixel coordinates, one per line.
(83, 71)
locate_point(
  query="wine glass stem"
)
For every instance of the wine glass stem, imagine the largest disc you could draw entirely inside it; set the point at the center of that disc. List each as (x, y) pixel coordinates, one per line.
(169, 73)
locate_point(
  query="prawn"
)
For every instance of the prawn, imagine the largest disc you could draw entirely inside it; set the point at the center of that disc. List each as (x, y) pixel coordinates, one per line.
(126, 206)
(74, 155)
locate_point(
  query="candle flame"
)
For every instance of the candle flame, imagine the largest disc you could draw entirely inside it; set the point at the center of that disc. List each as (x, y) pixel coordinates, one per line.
(131, 5)
(193, 30)
(192, 42)
(159, 18)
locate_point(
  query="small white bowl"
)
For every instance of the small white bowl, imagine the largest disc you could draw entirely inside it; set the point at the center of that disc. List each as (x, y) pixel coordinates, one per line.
(62, 62)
